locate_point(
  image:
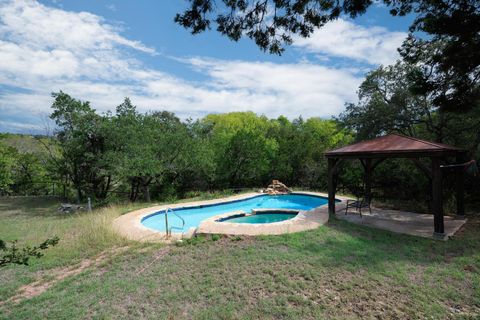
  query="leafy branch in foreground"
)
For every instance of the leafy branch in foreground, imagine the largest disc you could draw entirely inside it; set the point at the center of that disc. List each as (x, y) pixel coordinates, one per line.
(13, 255)
(270, 23)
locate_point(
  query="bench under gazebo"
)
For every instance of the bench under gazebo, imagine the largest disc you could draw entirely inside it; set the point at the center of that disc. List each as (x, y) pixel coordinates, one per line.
(373, 152)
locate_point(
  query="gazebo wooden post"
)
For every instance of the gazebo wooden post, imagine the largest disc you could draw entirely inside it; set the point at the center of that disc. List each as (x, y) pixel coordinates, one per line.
(331, 185)
(368, 178)
(459, 184)
(437, 197)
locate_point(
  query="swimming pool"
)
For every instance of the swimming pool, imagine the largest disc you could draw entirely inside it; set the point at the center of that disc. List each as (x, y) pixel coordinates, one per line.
(193, 216)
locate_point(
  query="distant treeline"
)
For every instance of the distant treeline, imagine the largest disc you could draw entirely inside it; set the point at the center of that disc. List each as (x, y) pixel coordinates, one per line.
(130, 155)
(155, 155)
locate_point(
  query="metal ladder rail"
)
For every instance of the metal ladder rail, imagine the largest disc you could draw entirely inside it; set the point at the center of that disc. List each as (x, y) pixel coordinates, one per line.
(169, 230)
(174, 227)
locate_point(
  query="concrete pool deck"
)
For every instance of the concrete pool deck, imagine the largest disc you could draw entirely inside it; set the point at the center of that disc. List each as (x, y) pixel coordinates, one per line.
(415, 224)
(130, 224)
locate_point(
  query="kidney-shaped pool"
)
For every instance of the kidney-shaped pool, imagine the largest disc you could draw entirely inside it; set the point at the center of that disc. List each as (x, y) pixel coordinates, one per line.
(193, 216)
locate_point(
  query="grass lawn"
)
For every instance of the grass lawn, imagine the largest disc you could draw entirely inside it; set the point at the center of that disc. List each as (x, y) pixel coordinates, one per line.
(337, 271)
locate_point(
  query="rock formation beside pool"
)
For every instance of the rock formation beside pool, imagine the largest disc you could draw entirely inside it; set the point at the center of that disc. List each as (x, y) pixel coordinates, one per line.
(276, 187)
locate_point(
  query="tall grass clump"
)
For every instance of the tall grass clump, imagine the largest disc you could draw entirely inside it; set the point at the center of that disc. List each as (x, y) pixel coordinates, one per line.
(82, 234)
(96, 232)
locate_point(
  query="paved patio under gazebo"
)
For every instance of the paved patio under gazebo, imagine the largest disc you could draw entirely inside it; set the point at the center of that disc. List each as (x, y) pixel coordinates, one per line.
(371, 153)
(415, 224)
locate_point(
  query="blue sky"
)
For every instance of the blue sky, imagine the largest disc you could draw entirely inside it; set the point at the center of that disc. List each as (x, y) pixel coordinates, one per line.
(102, 51)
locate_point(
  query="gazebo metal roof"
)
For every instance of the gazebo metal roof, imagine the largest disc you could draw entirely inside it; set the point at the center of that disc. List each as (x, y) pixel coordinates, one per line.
(393, 145)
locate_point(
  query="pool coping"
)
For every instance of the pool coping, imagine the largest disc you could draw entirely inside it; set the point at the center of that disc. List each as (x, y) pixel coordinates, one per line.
(130, 224)
(304, 220)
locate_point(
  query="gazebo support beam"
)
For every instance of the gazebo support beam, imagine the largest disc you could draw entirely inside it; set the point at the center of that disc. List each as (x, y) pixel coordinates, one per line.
(459, 185)
(332, 185)
(437, 198)
(368, 178)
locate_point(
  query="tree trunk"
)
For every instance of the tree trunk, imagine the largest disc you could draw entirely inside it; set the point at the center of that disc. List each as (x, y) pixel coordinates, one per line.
(146, 193)
(146, 188)
(134, 189)
(137, 190)
(79, 195)
(107, 187)
(65, 189)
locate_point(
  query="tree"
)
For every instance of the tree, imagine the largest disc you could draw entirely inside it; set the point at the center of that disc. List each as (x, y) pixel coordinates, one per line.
(199, 165)
(82, 147)
(28, 169)
(386, 103)
(290, 153)
(29, 173)
(173, 143)
(320, 136)
(246, 159)
(299, 159)
(270, 23)
(7, 161)
(240, 141)
(146, 148)
(131, 148)
(448, 61)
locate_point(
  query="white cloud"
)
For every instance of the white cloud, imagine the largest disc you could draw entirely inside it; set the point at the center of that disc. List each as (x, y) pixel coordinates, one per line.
(44, 49)
(45, 27)
(342, 38)
(289, 89)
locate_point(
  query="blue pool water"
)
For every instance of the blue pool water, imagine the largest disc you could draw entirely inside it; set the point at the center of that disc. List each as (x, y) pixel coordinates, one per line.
(193, 216)
(263, 218)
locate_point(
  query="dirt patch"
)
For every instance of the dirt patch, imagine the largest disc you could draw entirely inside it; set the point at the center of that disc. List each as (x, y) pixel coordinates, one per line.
(55, 275)
(472, 224)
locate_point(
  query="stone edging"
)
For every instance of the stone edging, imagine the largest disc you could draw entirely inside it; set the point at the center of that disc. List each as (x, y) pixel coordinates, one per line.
(130, 226)
(305, 220)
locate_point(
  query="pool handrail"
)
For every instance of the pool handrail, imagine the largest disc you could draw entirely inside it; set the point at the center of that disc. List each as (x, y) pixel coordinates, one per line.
(169, 230)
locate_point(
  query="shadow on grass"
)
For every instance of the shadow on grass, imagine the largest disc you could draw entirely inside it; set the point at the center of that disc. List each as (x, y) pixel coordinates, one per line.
(343, 244)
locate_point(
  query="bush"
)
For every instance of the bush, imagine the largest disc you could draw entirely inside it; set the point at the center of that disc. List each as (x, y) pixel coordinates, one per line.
(14, 255)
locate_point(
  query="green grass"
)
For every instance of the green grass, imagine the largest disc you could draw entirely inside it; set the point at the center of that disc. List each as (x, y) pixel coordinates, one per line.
(337, 271)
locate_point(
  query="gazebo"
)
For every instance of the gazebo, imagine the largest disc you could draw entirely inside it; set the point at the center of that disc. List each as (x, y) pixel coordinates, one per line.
(373, 152)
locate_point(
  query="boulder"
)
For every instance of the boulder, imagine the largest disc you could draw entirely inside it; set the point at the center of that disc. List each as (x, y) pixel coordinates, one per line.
(276, 187)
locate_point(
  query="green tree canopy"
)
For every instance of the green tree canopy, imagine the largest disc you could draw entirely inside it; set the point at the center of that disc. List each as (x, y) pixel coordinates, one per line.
(448, 59)
(386, 103)
(81, 141)
(146, 148)
(7, 162)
